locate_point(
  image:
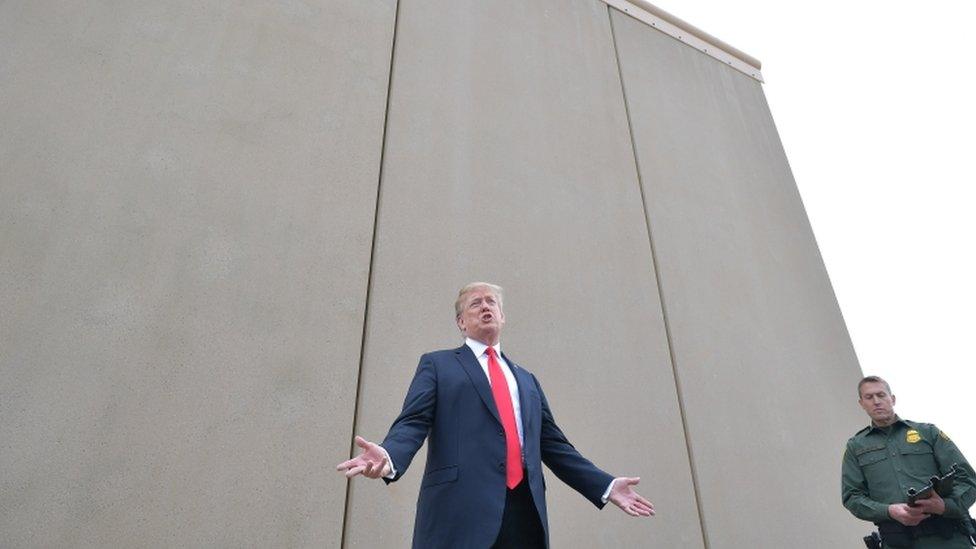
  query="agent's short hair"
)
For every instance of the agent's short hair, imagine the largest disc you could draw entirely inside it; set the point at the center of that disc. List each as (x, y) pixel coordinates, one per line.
(495, 289)
(872, 379)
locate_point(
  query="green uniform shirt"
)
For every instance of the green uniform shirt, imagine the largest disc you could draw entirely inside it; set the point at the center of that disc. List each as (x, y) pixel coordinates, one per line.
(882, 463)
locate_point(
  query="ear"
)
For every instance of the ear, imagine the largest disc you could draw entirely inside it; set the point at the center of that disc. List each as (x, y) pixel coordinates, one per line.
(892, 399)
(460, 323)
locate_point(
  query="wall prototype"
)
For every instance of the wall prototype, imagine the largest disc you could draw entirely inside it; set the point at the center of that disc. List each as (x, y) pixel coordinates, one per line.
(508, 158)
(228, 232)
(763, 359)
(187, 194)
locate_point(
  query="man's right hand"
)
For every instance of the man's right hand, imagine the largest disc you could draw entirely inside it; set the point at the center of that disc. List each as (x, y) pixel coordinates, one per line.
(906, 514)
(372, 463)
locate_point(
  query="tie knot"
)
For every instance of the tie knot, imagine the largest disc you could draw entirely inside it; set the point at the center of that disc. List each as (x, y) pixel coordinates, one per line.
(491, 352)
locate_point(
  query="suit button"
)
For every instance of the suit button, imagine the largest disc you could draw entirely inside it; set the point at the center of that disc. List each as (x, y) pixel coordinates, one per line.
(501, 433)
(501, 466)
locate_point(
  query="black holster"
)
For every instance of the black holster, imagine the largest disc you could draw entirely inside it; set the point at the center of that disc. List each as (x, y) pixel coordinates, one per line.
(873, 541)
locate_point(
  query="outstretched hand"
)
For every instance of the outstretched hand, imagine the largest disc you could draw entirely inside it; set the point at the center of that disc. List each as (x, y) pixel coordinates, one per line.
(623, 495)
(372, 463)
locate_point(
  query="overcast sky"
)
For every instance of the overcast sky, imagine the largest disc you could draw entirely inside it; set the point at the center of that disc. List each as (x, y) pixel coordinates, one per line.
(876, 105)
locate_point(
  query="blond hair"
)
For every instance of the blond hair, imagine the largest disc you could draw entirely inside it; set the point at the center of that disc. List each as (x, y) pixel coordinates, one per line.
(467, 288)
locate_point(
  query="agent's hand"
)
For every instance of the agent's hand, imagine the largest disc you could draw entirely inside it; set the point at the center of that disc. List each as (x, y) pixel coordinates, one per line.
(372, 463)
(623, 495)
(933, 505)
(906, 514)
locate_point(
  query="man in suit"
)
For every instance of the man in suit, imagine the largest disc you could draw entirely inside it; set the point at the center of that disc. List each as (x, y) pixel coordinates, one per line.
(489, 429)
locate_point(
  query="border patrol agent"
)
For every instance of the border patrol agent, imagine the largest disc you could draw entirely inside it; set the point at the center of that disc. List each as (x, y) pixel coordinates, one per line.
(885, 459)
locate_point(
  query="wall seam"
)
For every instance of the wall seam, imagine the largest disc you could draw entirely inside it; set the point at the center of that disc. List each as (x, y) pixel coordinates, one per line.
(657, 278)
(369, 275)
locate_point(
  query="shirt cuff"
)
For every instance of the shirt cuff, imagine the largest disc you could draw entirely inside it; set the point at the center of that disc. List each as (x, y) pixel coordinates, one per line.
(393, 471)
(606, 495)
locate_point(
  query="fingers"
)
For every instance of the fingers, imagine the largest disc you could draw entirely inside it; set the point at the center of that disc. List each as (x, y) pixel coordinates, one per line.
(637, 510)
(363, 443)
(359, 466)
(643, 500)
(355, 471)
(634, 505)
(642, 509)
(378, 469)
(348, 464)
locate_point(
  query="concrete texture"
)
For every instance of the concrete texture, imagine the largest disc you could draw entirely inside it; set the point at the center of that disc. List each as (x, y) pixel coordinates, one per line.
(188, 199)
(187, 196)
(508, 159)
(765, 366)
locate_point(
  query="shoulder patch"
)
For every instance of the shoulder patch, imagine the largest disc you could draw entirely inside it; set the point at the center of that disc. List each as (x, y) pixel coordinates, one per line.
(944, 436)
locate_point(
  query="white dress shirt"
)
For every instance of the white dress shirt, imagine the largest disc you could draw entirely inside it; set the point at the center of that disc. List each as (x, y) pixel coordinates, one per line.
(480, 350)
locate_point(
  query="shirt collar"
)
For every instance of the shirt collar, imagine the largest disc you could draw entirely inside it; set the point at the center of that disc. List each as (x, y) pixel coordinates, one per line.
(873, 427)
(479, 348)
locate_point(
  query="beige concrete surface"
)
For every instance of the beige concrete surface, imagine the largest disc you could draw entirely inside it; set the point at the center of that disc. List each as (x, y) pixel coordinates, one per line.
(508, 159)
(186, 204)
(187, 201)
(764, 362)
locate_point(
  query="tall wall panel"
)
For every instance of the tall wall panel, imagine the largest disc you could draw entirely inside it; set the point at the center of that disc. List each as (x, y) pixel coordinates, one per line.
(764, 363)
(508, 159)
(187, 193)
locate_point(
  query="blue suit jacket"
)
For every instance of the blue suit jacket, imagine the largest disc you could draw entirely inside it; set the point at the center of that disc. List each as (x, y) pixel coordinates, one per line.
(462, 495)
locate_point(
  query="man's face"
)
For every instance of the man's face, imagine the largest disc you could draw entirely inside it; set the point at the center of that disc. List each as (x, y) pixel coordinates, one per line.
(481, 316)
(877, 402)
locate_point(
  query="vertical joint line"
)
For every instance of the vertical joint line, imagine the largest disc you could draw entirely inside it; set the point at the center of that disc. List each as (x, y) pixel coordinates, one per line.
(369, 275)
(660, 291)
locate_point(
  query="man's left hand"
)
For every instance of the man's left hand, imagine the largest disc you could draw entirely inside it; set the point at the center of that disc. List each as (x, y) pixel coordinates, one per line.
(932, 505)
(623, 495)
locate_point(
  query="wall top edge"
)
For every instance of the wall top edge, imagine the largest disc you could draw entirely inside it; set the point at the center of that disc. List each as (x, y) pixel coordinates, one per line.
(690, 34)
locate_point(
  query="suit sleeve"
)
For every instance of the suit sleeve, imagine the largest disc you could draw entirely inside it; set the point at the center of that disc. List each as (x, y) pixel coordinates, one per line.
(963, 494)
(854, 491)
(566, 462)
(410, 428)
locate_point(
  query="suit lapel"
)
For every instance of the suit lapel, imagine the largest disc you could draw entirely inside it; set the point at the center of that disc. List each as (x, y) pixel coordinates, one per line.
(470, 364)
(523, 380)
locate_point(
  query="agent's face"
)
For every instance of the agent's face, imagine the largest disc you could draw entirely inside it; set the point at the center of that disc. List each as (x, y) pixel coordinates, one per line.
(877, 402)
(481, 316)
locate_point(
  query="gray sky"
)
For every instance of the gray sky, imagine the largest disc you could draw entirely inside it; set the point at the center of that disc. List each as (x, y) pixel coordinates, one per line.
(876, 105)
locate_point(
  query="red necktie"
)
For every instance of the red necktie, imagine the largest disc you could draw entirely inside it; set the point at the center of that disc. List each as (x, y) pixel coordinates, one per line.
(503, 401)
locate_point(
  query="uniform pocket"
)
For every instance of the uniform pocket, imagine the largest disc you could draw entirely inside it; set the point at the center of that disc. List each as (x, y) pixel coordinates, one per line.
(870, 456)
(920, 459)
(440, 476)
(917, 449)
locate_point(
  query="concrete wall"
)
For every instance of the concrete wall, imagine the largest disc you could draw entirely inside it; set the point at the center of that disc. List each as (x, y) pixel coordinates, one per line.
(209, 212)
(187, 194)
(508, 158)
(763, 359)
